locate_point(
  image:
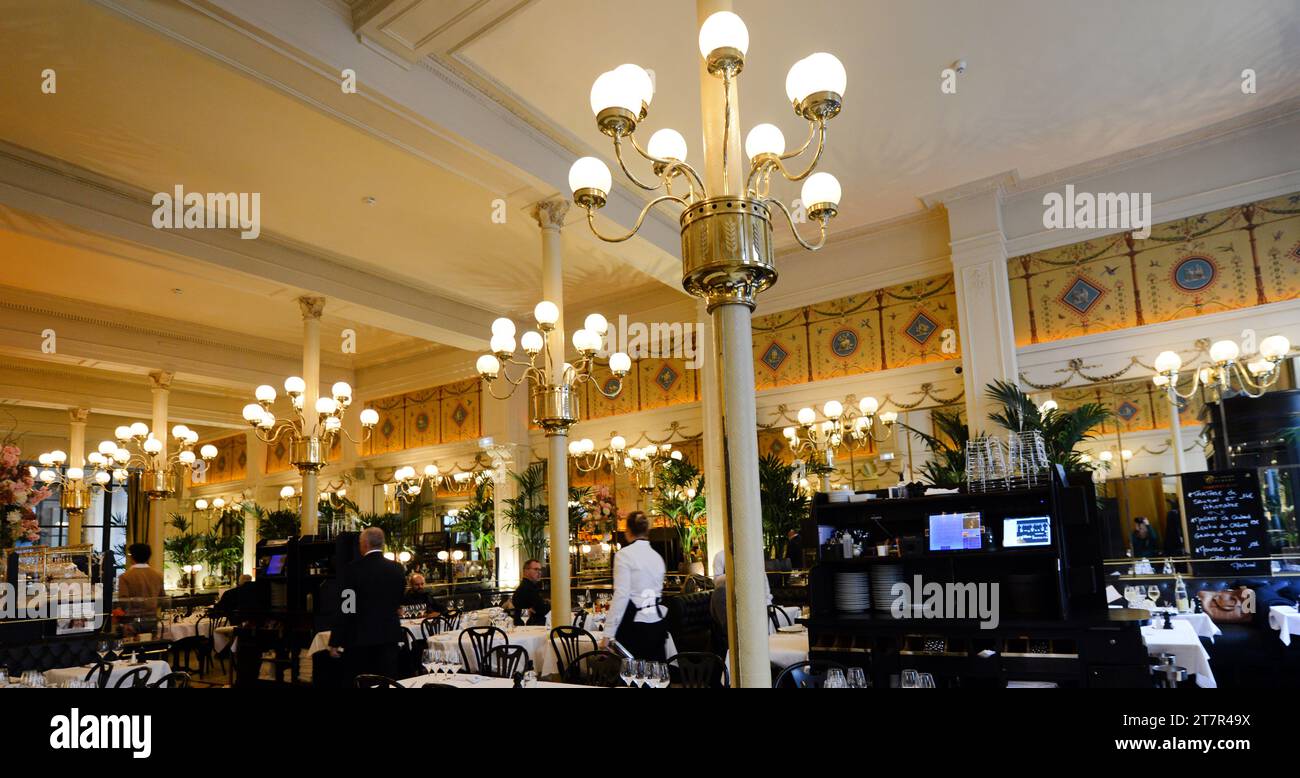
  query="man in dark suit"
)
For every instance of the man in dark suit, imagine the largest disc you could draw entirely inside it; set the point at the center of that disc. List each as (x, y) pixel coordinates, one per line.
(528, 596)
(228, 604)
(370, 596)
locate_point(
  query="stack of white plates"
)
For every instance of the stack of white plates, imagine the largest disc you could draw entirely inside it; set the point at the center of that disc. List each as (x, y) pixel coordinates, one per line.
(883, 578)
(838, 495)
(852, 594)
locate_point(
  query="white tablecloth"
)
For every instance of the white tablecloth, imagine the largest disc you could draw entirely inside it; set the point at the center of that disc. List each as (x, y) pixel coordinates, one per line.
(793, 611)
(471, 681)
(1286, 620)
(61, 675)
(784, 649)
(1201, 623)
(1182, 642)
(321, 640)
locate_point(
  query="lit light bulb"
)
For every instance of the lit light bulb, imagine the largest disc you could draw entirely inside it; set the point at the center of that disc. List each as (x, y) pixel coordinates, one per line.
(1224, 351)
(619, 363)
(636, 82)
(180, 431)
(869, 405)
(326, 405)
(723, 30)
(219, 503)
(265, 393)
(102, 477)
(590, 173)
(531, 342)
(503, 327)
(617, 443)
(820, 72)
(139, 430)
(596, 323)
(502, 344)
(1048, 406)
(614, 89)
(369, 417)
(286, 492)
(790, 433)
(488, 366)
(832, 409)
(431, 471)
(667, 144)
(294, 385)
(1274, 347)
(122, 433)
(153, 445)
(201, 505)
(546, 313)
(806, 416)
(1168, 362)
(252, 412)
(764, 139)
(820, 188)
(76, 473)
(342, 391)
(186, 457)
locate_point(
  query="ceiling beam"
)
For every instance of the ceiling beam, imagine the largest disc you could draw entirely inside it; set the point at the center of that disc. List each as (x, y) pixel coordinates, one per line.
(48, 187)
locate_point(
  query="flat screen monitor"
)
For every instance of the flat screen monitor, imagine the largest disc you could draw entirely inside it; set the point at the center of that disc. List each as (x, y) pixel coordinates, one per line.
(956, 531)
(1027, 531)
(275, 565)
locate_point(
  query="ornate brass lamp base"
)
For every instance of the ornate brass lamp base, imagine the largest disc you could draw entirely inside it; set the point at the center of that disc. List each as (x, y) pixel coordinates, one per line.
(555, 408)
(727, 250)
(307, 454)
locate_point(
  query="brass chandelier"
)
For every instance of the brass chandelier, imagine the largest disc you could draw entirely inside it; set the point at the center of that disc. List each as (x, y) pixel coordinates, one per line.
(308, 444)
(554, 398)
(726, 236)
(408, 484)
(1225, 371)
(110, 465)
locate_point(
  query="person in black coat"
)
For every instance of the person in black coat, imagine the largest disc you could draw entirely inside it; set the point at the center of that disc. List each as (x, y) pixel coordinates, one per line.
(529, 596)
(416, 594)
(228, 605)
(370, 597)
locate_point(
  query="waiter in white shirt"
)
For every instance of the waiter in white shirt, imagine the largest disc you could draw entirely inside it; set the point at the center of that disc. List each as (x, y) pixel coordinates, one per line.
(636, 616)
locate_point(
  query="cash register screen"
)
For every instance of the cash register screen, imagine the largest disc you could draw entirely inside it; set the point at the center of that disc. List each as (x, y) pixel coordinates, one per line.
(275, 565)
(955, 531)
(1027, 531)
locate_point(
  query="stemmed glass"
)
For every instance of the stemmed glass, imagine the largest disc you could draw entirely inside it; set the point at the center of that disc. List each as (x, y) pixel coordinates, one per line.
(626, 671)
(101, 648)
(117, 648)
(427, 659)
(835, 679)
(453, 661)
(661, 676)
(857, 678)
(1153, 593)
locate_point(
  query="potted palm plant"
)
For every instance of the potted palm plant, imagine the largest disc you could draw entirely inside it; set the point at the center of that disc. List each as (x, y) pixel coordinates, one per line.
(526, 514)
(785, 506)
(1062, 430)
(679, 495)
(477, 519)
(946, 468)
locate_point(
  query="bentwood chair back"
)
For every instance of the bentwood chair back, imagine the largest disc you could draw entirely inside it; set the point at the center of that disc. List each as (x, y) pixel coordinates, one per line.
(779, 618)
(134, 679)
(99, 673)
(595, 668)
(431, 627)
(505, 661)
(370, 681)
(176, 680)
(567, 643)
(451, 621)
(809, 674)
(481, 641)
(579, 617)
(700, 670)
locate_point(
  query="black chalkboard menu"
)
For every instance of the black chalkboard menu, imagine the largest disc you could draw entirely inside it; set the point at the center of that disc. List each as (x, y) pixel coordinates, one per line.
(1225, 520)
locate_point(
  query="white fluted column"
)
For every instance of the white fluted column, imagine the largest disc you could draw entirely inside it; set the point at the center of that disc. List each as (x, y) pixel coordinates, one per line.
(550, 217)
(711, 415)
(255, 454)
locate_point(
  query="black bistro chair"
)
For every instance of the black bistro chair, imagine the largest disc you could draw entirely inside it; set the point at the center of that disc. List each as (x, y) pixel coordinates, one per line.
(99, 673)
(431, 627)
(567, 642)
(809, 674)
(370, 681)
(137, 678)
(176, 680)
(700, 670)
(779, 618)
(504, 661)
(595, 668)
(481, 641)
(198, 645)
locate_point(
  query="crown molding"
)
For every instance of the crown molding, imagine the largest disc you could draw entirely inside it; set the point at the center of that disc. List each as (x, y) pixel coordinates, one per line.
(998, 182)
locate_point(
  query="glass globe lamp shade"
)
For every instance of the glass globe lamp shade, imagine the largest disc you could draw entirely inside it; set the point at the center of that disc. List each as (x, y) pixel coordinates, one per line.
(667, 143)
(1274, 347)
(431, 471)
(121, 456)
(488, 366)
(619, 363)
(764, 139)
(107, 447)
(616, 89)
(546, 313)
(369, 417)
(45, 459)
(122, 433)
(326, 405)
(180, 431)
(219, 503)
(806, 416)
(636, 82)
(590, 181)
(1168, 362)
(139, 430)
(295, 385)
(1222, 351)
(723, 30)
(617, 443)
(153, 445)
(790, 433)
(265, 393)
(502, 344)
(531, 342)
(821, 194)
(596, 323)
(186, 457)
(503, 327)
(76, 473)
(833, 409)
(252, 412)
(342, 391)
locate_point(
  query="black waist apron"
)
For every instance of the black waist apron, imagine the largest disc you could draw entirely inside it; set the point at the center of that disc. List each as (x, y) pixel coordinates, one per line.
(644, 639)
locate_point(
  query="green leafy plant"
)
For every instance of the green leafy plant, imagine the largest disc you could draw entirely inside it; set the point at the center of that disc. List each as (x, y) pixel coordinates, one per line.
(946, 467)
(579, 510)
(679, 495)
(785, 506)
(1062, 430)
(526, 514)
(275, 525)
(221, 554)
(478, 518)
(399, 531)
(186, 546)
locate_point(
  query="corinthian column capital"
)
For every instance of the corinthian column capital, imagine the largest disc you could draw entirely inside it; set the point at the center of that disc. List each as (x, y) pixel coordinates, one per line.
(550, 213)
(312, 307)
(161, 379)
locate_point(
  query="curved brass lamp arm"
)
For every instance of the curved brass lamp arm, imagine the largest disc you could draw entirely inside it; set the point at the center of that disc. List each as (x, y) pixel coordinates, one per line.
(618, 154)
(672, 167)
(812, 132)
(797, 236)
(817, 156)
(591, 218)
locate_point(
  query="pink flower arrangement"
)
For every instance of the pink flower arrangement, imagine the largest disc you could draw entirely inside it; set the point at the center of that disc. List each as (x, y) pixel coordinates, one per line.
(19, 494)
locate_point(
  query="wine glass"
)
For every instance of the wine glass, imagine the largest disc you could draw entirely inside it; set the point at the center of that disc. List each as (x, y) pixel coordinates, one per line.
(117, 648)
(101, 648)
(427, 659)
(460, 606)
(857, 678)
(1153, 593)
(662, 677)
(454, 661)
(625, 671)
(834, 679)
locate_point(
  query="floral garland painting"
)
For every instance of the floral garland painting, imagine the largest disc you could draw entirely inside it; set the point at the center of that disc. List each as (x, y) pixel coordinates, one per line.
(19, 496)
